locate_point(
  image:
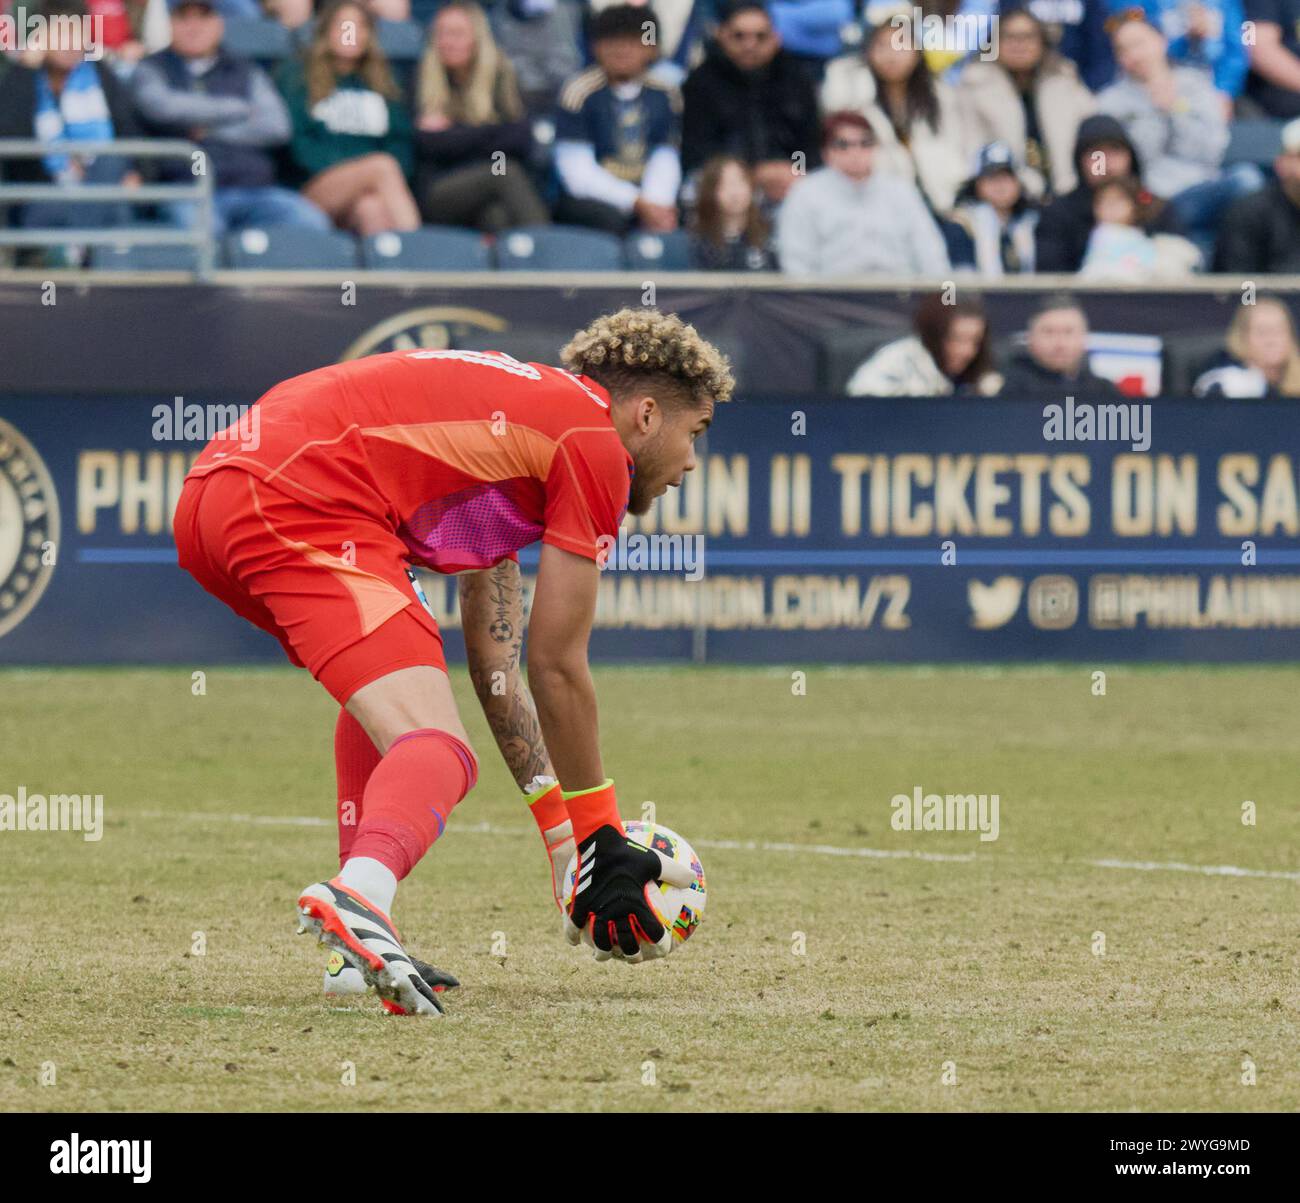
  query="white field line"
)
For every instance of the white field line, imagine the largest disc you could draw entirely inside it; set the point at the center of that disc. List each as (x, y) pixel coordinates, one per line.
(751, 845)
(832, 850)
(1173, 866)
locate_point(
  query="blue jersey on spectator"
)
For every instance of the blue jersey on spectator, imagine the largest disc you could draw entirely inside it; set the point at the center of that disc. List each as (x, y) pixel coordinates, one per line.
(811, 27)
(80, 113)
(1223, 55)
(1080, 26)
(623, 130)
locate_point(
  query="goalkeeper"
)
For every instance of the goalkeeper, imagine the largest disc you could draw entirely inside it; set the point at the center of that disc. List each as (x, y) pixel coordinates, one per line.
(453, 460)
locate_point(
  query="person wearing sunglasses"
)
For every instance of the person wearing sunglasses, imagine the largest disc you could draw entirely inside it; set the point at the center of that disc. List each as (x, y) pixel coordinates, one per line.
(751, 99)
(848, 219)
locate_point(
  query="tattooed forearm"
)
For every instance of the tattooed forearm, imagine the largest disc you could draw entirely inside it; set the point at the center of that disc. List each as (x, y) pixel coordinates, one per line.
(492, 613)
(492, 618)
(519, 735)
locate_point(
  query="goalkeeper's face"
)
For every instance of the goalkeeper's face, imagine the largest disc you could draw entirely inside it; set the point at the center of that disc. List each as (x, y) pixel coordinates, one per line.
(663, 448)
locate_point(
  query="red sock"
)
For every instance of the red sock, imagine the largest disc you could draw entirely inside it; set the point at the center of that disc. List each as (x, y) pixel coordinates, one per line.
(355, 758)
(409, 796)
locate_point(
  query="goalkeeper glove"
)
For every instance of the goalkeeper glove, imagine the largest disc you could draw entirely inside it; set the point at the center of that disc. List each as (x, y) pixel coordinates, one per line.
(611, 905)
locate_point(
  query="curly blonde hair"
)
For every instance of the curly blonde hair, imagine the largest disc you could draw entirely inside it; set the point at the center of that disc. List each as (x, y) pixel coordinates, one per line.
(621, 350)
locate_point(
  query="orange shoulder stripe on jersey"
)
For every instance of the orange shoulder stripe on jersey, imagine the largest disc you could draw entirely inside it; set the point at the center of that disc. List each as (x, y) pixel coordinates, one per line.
(475, 448)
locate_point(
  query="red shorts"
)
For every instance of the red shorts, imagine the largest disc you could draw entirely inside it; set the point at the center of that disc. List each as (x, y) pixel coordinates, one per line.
(331, 586)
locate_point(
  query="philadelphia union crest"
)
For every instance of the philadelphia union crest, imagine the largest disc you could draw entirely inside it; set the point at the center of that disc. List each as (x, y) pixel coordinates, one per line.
(29, 527)
(436, 328)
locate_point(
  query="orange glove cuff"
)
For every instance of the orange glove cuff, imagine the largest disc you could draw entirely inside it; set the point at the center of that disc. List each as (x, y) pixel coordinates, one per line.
(593, 808)
(548, 807)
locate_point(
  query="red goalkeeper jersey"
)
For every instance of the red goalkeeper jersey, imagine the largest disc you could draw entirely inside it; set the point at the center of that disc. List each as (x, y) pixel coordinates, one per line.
(467, 455)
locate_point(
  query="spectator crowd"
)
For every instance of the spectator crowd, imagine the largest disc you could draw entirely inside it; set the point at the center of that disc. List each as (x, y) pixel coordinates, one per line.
(951, 352)
(821, 138)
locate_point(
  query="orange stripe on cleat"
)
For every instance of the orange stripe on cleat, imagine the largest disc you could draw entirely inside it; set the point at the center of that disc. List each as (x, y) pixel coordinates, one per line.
(317, 908)
(361, 898)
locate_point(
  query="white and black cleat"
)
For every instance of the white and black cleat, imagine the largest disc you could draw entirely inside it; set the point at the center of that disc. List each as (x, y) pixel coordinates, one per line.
(341, 980)
(345, 921)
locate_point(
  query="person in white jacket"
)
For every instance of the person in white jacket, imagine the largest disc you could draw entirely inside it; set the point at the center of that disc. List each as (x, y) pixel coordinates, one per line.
(1030, 98)
(848, 219)
(915, 117)
(949, 353)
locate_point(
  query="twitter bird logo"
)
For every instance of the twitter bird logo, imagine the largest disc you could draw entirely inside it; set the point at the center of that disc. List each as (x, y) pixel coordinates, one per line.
(994, 605)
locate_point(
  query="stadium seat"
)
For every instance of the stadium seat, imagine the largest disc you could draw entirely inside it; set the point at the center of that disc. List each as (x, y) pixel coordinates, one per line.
(1254, 141)
(662, 252)
(1184, 357)
(169, 258)
(559, 248)
(841, 352)
(431, 249)
(256, 38)
(290, 248)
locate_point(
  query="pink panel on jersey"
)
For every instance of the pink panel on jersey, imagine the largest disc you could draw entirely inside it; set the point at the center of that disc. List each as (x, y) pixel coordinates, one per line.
(473, 528)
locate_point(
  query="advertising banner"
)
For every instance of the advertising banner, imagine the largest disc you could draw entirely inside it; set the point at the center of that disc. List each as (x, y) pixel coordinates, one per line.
(813, 530)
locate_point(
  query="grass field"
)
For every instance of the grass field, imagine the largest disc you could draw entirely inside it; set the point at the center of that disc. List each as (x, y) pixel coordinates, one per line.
(219, 808)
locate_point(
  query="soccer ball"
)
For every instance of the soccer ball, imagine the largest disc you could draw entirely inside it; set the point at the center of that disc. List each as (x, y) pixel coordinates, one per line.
(679, 909)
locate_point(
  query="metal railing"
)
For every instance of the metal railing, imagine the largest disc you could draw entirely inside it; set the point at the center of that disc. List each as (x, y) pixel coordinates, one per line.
(197, 235)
